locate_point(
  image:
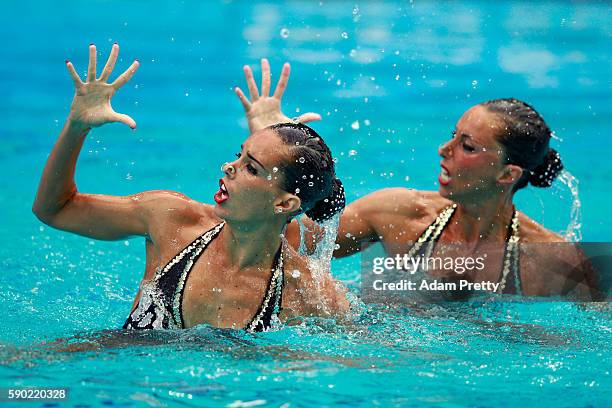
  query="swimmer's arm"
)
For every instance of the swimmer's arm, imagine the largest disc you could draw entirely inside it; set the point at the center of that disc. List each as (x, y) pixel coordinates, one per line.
(363, 221)
(358, 227)
(355, 230)
(112, 218)
(263, 110)
(58, 202)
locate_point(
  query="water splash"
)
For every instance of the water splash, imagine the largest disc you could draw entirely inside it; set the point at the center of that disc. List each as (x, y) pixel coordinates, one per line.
(573, 232)
(302, 250)
(319, 259)
(323, 235)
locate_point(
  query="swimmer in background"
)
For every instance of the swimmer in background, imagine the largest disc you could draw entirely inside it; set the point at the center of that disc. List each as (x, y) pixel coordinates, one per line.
(221, 264)
(496, 149)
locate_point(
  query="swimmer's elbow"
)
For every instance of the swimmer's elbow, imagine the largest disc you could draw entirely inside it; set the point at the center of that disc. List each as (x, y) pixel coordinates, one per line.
(39, 211)
(46, 213)
(45, 216)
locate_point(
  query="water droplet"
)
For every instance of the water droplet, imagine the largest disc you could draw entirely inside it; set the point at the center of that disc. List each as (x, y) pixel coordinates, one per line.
(310, 184)
(297, 191)
(344, 35)
(302, 160)
(355, 125)
(352, 152)
(474, 84)
(274, 169)
(295, 273)
(284, 32)
(356, 14)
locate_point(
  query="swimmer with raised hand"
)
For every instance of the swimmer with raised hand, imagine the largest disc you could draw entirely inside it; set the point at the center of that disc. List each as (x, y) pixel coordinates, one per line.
(221, 264)
(496, 149)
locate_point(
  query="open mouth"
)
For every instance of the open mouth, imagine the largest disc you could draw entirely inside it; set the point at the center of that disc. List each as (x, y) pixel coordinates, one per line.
(444, 177)
(222, 195)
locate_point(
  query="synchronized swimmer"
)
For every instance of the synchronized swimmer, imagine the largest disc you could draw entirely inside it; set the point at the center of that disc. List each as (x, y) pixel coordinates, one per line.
(223, 264)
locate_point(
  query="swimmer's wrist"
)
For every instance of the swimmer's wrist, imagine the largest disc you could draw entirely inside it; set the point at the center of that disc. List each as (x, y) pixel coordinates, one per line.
(77, 126)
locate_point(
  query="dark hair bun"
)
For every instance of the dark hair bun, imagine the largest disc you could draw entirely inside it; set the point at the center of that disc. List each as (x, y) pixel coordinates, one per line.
(329, 206)
(547, 172)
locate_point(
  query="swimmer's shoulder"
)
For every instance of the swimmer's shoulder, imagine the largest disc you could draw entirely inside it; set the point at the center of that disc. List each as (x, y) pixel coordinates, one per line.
(168, 206)
(552, 253)
(532, 232)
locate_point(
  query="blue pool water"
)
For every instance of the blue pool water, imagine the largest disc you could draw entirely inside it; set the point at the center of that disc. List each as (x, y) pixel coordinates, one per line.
(390, 79)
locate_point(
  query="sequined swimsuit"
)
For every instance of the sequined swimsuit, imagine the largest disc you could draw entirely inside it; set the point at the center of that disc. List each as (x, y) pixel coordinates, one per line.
(159, 306)
(510, 282)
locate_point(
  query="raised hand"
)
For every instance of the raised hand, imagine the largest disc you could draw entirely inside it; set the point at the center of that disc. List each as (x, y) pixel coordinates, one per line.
(91, 105)
(264, 110)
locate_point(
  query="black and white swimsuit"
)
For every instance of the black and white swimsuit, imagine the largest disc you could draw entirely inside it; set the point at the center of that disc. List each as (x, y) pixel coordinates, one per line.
(159, 306)
(424, 245)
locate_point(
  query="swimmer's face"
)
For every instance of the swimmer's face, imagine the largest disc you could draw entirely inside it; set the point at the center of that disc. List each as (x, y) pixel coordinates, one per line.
(472, 161)
(252, 182)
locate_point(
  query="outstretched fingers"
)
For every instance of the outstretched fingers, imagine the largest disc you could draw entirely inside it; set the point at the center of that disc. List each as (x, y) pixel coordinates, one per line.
(75, 77)
(110, 63)
(243, 99)
(265, 78)
(248, 73)
(282, 81)
(126, 76)
(91, 69)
